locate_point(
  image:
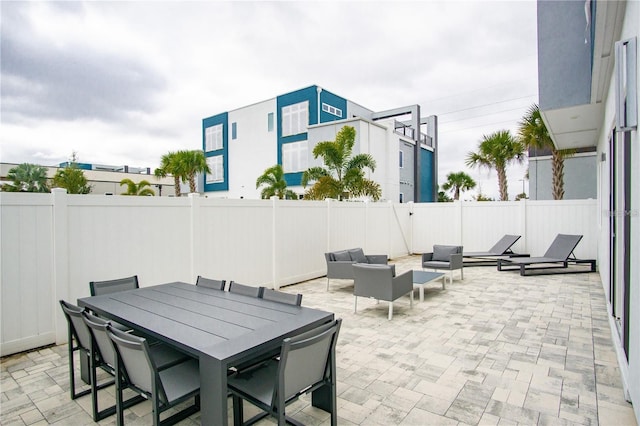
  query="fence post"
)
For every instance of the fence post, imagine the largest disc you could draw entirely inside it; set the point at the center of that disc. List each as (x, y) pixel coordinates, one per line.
(328, 202)
(195, 237)
(274, 247)
(523, 223)
(60, 262)
(459, 232)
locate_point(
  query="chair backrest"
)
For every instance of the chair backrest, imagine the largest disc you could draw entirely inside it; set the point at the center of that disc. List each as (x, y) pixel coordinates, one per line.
(504, 244)
(133, 355)
(562, 246)
(305, 360)
(371, 280)
(112, 286)
(279, 296)
(209, 283)
(98, 328)
(246, 290)
(78, 328)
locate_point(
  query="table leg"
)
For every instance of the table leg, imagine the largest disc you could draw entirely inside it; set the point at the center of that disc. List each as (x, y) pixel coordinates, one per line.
(325, 397)
(213, 392)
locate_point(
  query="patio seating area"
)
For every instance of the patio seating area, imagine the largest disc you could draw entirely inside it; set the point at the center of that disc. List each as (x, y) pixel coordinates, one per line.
(495, 348)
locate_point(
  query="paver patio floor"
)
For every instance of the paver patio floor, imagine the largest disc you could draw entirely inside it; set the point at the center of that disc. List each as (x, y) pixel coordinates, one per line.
(494, 349)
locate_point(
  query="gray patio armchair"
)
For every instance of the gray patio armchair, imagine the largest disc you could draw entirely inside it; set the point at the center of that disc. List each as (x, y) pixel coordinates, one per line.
(98, 288)
(340, 263)
(379, 282)
(246, 290)
(448, 258)
(282, 297)
(558, 256)
(136, 369)
(306, 363)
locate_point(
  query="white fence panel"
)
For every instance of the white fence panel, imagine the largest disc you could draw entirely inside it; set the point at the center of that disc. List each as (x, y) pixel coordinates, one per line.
(546, 219)
(236, 241)
(52, 245)
(27, 301)
(300, 241)
(484, 223)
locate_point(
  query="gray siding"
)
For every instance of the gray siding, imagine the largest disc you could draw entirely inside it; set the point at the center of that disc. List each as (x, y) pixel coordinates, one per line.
(564, 59)
(407, 179)
(580, 178)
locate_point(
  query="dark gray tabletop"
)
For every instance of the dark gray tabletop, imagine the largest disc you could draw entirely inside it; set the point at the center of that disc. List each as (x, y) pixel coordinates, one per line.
(422, 277)
(204, 321)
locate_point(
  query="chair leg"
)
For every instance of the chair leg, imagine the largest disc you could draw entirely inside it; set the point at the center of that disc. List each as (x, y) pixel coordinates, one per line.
(327, 283)
(390, 310)
(461, 273)
(411, 299)
(355, 304)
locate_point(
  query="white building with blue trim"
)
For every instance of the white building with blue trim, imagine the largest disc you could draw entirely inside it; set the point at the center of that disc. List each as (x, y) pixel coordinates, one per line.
(241, 144)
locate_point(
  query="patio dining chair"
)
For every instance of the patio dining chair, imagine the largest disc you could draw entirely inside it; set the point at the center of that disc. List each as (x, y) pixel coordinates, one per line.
(79, 340)
(306, 363)
(210, 283)
(137, 369)
(282, 297)
(103, 355)
(99, 288)
(245, 290)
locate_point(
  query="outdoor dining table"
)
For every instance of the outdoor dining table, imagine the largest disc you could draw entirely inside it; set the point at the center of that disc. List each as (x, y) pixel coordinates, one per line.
(219, 328)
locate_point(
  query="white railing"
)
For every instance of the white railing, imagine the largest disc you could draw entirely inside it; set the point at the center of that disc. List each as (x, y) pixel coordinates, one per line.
(52, 245)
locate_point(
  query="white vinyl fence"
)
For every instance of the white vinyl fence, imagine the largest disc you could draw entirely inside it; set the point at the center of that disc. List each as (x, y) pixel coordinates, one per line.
(52, 245)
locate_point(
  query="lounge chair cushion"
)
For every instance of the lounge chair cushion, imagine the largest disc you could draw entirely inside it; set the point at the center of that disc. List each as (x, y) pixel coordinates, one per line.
(342, 256)
(357, 255)
(443, 253)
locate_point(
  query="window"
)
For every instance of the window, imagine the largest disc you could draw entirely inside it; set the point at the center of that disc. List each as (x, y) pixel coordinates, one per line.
(401, 160)
(234, 130)
(213, 138)
(216, 164)
(294, 157)
(295, 118)
(270, 122)
(332, 110)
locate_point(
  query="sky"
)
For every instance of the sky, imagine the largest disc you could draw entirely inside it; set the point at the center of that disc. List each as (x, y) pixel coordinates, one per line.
(126, 82)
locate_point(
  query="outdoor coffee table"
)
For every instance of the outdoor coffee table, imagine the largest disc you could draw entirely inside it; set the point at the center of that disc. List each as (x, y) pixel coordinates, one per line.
(420, 278)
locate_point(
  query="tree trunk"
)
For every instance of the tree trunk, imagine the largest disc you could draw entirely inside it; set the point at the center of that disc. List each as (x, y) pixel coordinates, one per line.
(557, 167)
(176, 185)
(456, 196)
(192, 184)
(502, 182)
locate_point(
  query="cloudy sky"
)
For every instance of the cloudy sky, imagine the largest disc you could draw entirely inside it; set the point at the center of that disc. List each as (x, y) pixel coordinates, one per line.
(125, 82)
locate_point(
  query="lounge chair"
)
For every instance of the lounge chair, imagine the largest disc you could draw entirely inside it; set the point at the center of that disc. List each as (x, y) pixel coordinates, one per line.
(558, 256)
(501, 248)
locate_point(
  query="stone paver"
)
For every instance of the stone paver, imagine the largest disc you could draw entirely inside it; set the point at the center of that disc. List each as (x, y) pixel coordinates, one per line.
(493, 349)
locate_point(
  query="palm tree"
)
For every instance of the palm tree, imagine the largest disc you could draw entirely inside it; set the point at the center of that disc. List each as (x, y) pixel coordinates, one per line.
(496, 151)
(533, 134)
(137, 189)
(274, 184)
(457, 182)
(192, 163)
(343, 176)
(170, 165)
(27, 177)
(72, 179)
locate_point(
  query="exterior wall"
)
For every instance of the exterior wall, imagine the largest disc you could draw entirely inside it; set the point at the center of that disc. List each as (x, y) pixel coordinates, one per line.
(580, 177)
(253, 151)
(564, 60)
(106, 182)
(428, 165)
(630, 367)
(52, 245)
(406, 171)
(222, 119)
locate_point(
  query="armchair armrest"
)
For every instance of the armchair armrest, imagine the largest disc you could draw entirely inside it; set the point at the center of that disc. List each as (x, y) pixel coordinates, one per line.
(378, 259)
(456, 261)
(426, 257)
(402, 284)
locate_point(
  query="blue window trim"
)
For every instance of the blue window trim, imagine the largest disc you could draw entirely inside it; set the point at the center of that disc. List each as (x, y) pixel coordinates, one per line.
(212, 121)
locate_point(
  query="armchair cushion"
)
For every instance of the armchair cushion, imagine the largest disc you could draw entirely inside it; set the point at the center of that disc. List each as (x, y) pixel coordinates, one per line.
(443, 253)
(357, 255)
(342, 256)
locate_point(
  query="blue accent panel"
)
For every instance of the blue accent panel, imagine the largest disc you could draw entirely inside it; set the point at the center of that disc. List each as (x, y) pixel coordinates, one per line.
(293, 179)
(81, 166)
(307, 94)
(426, 176)
(213, 121)
(335, 101)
